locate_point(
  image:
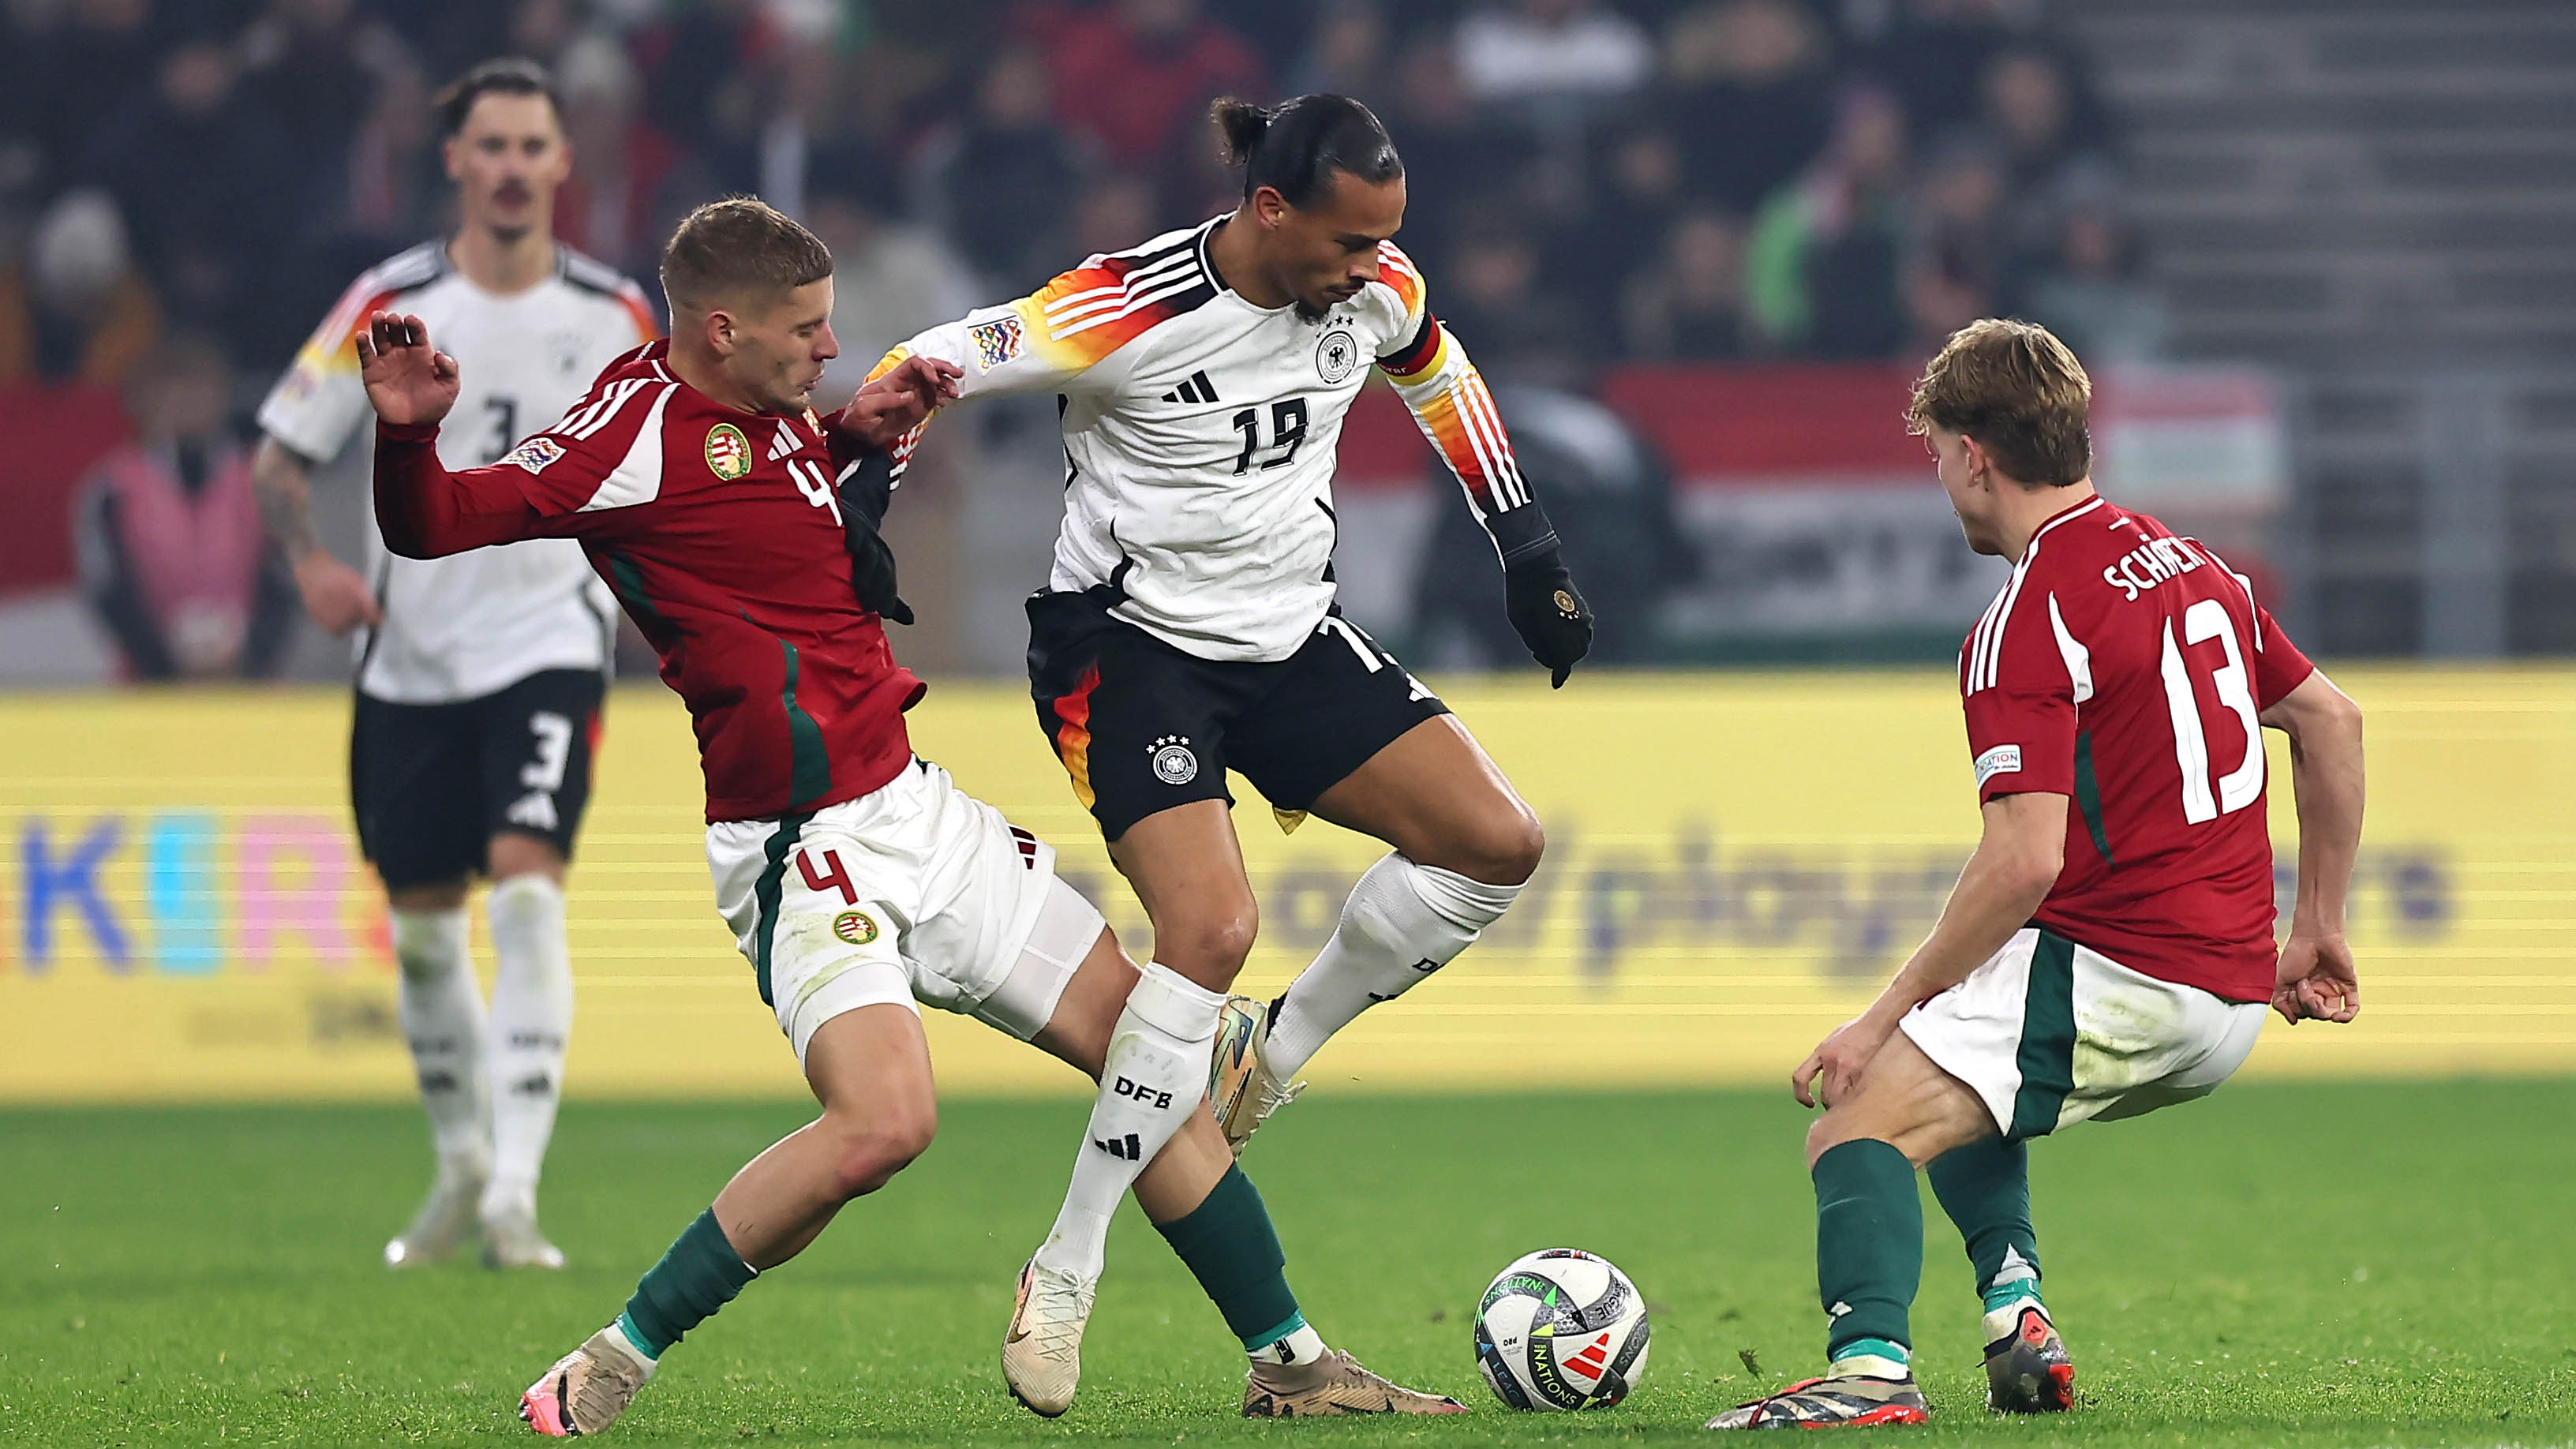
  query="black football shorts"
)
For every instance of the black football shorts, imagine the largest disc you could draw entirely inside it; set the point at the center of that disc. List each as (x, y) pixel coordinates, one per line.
(1142, 726)
(433, 783)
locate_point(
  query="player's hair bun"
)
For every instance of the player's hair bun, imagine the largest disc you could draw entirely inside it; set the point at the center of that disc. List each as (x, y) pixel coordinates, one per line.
(1297, 146)
(1243, 125)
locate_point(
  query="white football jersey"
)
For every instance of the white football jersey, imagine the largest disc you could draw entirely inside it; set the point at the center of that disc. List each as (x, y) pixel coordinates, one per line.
(1200, 432)
(478, 622)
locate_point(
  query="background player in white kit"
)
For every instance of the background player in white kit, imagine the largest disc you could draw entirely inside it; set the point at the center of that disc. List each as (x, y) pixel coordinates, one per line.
(479, 677)
(1189, 626)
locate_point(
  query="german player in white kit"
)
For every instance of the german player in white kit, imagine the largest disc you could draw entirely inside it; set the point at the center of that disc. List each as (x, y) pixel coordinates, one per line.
(479, 677)
(1189, 626)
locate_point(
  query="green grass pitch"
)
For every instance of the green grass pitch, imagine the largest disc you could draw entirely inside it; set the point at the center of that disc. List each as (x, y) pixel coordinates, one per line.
(2283, 1264)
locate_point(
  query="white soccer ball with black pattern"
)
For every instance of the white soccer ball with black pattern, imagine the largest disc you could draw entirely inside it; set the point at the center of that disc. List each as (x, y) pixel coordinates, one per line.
(1561, 1329)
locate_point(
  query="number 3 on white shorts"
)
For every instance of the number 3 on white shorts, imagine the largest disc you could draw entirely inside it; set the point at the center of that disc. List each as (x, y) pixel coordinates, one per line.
(2204, 621)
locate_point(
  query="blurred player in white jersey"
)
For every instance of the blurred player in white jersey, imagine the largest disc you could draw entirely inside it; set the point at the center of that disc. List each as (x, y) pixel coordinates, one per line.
(1190, 628)
(479, 677)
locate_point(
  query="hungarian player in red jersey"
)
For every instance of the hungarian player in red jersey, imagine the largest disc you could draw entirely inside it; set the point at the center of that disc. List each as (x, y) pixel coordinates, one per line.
(738, 530)
(2109, 948)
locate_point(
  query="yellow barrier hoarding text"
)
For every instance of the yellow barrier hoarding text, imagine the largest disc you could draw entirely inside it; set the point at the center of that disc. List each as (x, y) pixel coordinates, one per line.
(1734, 862)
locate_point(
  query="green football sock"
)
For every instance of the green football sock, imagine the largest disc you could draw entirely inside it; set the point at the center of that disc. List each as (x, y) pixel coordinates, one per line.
(1869, 1246)
(1985, 1188)
(1230, 1247)
(698, 1274)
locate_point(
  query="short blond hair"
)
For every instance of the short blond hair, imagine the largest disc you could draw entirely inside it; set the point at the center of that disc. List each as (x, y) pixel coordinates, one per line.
(736, 250)
(2017, 390)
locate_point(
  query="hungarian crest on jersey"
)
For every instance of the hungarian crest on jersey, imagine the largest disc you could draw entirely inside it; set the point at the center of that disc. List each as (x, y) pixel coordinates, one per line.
(728, 452)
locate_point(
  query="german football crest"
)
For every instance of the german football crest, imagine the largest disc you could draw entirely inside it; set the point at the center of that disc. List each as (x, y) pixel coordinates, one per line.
(996, 342)
(1337, 354)
(728, 452)
(1174, 763)
(856, 928)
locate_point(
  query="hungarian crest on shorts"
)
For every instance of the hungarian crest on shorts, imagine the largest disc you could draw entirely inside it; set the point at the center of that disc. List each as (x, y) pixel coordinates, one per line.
(857, 928)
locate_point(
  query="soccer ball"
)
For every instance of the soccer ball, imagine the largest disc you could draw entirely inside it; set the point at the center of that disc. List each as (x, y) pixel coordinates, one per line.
(1561, 1329)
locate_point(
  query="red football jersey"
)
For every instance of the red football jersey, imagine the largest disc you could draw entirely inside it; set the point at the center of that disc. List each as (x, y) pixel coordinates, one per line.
(720, 532)
(2125, 668)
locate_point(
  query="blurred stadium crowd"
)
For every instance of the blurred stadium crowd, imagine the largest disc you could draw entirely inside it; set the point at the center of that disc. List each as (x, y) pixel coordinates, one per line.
(1591, 181)
(187, 185)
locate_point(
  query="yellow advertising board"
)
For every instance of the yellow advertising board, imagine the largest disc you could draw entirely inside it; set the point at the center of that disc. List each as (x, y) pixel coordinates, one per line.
(1735, 860)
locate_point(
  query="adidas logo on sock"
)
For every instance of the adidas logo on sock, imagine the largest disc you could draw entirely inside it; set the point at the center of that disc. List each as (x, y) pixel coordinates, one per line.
(1125, 1149)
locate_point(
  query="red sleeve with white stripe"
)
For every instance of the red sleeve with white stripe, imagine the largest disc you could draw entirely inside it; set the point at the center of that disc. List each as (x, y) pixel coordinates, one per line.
(1448, 397)
(604, 454)
(2021, 676)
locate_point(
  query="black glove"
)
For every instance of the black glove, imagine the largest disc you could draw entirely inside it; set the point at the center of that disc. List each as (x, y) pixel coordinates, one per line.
(866, 492)
(1538, 593)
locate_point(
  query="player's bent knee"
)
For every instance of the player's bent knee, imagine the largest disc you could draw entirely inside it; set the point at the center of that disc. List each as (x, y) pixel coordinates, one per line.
(1823, 1135)
(868, 1155)
(1512, 854)
(1499, 848)
(1209, 949)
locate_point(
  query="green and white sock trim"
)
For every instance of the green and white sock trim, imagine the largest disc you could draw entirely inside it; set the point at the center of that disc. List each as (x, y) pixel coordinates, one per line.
(2011, 1295)
(1876, 1358)
(1292, 1342)
(632, 1339)
(2014, 1285)
(2015, 1279)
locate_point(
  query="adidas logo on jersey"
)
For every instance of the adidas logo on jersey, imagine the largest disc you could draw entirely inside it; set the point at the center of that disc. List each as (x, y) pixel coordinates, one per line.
(1197, 390)
(784, 444)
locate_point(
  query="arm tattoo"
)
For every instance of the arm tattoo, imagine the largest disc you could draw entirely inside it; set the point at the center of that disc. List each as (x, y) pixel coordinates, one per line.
(280, 476)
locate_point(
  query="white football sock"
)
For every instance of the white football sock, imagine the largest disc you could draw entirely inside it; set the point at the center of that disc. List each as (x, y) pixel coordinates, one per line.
(442, 1018)
(1301, 1345)
(1154, 1078)
(1402, 922)
(531, 1021)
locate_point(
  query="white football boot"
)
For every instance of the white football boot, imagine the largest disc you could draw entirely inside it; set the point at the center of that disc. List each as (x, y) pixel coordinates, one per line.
(1042, 1351)
(511, 1240)
(1241, 1091)
(445, 1216)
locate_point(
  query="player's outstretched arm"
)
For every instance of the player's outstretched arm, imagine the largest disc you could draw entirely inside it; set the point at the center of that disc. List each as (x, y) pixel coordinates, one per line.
(1052, 340)
(423, 510)
(2317, 980)
(896, 401)
(2018, 856)
(1452, 406)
